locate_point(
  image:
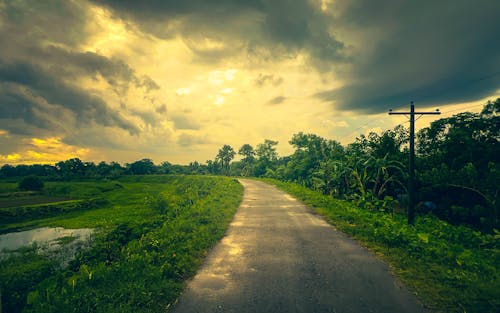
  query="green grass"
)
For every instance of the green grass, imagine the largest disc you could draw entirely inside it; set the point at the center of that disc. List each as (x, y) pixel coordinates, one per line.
(451, 268)
(7, 187)
(19, 274)
(153, 233)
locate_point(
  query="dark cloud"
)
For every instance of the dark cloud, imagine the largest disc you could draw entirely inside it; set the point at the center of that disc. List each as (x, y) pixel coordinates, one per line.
(432, 52)
(73, 64)
(52, 89)
(166, 18)
(187, 140)
(182, 121)
(97, 137)
(277, 100)
(33, 22)
(390, 51)
(9, 144)
(275, 29)
(162, 109)
(268, 79)
(41, 61)
(147, 116)
(148, 83)
(20, 113)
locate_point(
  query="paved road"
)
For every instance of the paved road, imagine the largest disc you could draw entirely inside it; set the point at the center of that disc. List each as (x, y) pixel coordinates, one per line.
(278, 257)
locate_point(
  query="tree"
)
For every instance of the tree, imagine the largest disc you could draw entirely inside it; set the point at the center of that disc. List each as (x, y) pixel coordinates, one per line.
(71, 168)
(248, 154)
(461, 153)
(313, 152)
(32, 183)
(7, 171)
(267, 151)
(225, 155)
(142, 167)
(267, 157)
(212, 167)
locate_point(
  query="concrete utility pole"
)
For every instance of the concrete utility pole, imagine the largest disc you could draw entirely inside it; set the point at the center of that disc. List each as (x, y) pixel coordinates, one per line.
(411, 169)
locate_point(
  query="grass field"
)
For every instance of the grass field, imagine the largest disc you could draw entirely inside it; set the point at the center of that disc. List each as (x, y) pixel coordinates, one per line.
(451, 268)
(152, 234)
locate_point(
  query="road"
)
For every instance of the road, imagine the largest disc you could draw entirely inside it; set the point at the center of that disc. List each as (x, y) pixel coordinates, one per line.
(279, 257)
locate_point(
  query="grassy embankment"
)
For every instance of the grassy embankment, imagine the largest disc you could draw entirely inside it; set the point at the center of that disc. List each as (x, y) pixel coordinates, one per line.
(152, 234)
(451, 268)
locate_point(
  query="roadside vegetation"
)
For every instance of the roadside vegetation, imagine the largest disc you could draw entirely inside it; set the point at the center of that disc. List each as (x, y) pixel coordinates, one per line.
(451, 268)
(152, 232)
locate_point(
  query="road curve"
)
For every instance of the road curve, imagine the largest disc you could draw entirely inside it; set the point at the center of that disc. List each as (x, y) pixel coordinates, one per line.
(278, 257)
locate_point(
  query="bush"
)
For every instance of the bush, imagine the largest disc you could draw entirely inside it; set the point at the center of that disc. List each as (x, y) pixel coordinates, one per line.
(31, 183)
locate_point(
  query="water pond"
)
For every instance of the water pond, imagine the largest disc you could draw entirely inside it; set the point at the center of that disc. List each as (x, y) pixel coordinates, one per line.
(53, 236)
(59, 243)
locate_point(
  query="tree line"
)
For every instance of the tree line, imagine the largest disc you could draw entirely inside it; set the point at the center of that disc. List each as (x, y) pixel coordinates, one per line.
(457, 169)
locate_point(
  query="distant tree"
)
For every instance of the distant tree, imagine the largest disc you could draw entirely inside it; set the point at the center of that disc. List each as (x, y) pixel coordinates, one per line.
(31, 183)
(165, 168)
(463, 138)
(196, 168)
(7, 170)
(248, 160)
(224, 157)
(111, 170)
(90, 170)
(247, 152)
(71, 168)
(266, 158)
(267, 151)
(142, 167)
(212, 167)
(116, 170)
(389, 143)
(103, 169)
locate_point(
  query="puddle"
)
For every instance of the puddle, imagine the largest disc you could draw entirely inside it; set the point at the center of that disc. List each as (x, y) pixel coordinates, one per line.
(62, 244)
(16, 240)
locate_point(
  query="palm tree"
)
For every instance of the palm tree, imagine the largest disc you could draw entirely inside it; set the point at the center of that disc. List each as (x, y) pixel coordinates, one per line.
(225, 155)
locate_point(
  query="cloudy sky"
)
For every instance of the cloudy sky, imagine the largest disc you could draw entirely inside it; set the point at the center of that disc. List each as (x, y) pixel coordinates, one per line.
(175, 80)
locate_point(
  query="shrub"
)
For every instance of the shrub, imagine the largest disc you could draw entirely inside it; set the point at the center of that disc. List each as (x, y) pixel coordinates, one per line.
(31, 183)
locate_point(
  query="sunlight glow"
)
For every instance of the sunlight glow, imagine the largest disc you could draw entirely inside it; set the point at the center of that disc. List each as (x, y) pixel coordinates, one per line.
(45, 151)
(219, 100)
(112, 32)
(219, 77)
(183, 91)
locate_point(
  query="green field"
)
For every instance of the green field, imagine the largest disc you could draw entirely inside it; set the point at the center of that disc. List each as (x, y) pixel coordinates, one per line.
(451, 268)
(152, 233)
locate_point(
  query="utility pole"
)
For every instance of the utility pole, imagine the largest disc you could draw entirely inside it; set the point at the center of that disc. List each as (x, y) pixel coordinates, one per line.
(411, 165)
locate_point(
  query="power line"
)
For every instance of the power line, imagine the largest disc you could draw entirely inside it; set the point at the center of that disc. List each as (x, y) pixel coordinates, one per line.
(360, 127)
(379, 119)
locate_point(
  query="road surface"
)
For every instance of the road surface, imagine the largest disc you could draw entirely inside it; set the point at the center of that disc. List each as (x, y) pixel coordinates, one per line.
(278, 257)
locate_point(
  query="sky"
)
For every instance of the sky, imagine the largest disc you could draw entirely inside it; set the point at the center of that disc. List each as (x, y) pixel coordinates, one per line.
(123, 80)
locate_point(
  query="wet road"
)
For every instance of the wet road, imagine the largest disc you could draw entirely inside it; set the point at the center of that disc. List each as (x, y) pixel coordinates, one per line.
(277, 257)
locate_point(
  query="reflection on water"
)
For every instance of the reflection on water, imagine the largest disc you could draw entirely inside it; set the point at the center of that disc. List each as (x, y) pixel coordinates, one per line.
(49, 235)
(59, 244)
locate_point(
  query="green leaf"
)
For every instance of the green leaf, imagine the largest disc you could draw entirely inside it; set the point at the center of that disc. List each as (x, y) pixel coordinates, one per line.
(424, 237)
(32, 297)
